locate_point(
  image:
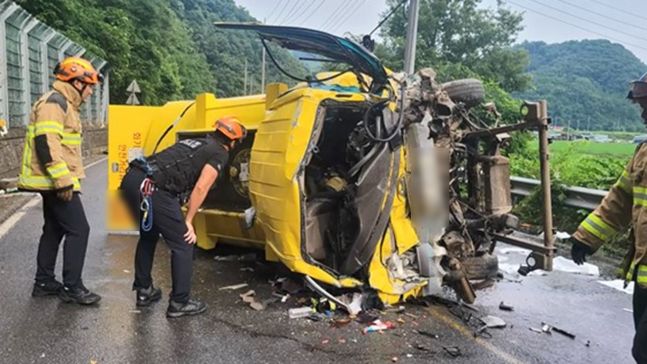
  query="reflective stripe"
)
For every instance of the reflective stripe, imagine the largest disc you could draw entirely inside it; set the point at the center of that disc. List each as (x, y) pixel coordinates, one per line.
(596, 226)
(58, 170)
(640, 196)
(48, 126)
(41, 182)
(71, 139)
(641, 277)
(624, 183)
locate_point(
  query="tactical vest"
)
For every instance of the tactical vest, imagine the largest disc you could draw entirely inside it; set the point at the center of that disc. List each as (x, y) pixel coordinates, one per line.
(173, 170)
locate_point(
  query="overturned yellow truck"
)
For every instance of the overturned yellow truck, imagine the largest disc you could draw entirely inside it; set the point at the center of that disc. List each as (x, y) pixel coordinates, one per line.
(355, 178)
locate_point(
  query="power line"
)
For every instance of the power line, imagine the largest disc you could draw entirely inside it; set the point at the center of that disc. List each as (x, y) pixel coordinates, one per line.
(579, 27)
(273, 10)
(287, 16)
(280, 14)
(321, 2)
(333, 15)
(304, 9)
(342, 20)
(590, 21)
(387, 16)
(618, 9)
(602, 15)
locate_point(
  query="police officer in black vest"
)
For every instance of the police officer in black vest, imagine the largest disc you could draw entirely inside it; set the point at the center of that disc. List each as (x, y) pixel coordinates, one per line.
(153, 188)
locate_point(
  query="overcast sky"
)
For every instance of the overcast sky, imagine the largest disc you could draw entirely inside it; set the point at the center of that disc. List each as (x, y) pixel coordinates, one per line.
(620, 21)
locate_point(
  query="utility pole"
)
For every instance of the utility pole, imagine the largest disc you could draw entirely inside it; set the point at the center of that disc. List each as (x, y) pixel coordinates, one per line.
(263, 67)
(412, 34)
(245, 82)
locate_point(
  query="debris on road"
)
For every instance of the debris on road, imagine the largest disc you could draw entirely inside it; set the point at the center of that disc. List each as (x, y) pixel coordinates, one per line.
(233, 287)
(504, 307)
(249, 298)
(563, 332)
(427, 334)
(533, 329)
(619, 284)
(453, 351)
(493, 322)
(300, 312)
(548, 329)
(378, 326)
(340, 322)
(566, 265)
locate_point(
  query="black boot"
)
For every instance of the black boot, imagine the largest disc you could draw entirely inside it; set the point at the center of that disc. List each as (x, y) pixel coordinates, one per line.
(147, 296)
(190, 308)
(42, 289)
(80, 295)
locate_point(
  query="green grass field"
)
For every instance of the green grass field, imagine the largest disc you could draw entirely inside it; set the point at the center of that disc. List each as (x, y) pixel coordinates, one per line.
(589, 148)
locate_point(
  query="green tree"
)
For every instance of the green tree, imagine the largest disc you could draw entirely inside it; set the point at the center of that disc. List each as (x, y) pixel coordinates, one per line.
(459, 38)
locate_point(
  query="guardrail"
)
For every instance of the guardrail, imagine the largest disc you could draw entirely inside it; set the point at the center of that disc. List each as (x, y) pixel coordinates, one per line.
(585, 198)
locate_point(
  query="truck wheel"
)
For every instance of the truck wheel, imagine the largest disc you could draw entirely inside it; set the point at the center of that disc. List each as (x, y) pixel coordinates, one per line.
(482, 267)
(469, 91)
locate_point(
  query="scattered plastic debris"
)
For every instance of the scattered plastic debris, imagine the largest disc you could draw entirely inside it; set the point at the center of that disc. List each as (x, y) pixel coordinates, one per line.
(504, 307)
(282, 297)
(378, 326)
(126, 271)
(628, 310)
(563, 332)
(619, 284)
(493, 322)
(300, 312)
(533, 329)
(248, 297)
(233, 287)
(353, 302)
(548, 329)
(394, 359)
(562, 235)
(569, 266)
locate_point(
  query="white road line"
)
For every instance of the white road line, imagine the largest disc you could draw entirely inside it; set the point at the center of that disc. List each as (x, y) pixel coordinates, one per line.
(13, 219)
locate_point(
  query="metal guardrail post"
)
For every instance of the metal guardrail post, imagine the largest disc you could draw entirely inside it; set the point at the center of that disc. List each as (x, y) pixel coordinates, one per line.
(4, 81)
(27, 27)
(545, 261)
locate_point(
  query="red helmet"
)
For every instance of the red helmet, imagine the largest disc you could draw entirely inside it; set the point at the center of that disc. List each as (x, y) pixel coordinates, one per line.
(75, 68)
(638, 88)
(231, 128)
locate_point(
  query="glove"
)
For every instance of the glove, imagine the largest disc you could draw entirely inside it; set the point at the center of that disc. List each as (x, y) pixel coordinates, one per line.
(579, 251)
(65, 194)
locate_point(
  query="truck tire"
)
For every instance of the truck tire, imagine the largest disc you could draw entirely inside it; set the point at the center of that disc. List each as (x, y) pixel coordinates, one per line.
(482, 267)
(468, 91)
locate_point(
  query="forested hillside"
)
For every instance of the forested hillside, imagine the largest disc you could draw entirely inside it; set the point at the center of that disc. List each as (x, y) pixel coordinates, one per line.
(585, 83)
(170, 46)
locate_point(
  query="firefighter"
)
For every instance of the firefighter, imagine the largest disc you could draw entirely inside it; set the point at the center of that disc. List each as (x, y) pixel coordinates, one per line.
(154, 188)
(624, 205)
(52, 166)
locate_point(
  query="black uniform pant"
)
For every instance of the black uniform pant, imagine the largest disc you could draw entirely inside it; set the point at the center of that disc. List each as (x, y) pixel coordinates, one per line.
(63, 219)
(640, 320)
(167, 221)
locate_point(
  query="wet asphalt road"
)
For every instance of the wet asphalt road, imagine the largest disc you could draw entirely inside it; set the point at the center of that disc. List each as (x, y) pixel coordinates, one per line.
(46, 330)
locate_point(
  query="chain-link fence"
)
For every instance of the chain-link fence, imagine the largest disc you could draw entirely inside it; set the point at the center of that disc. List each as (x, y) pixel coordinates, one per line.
(29, 49)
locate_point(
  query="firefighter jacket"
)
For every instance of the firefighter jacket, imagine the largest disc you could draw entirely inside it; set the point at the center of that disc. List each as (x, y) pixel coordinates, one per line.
(624, 206)
(52, 154)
